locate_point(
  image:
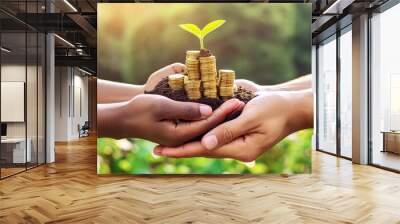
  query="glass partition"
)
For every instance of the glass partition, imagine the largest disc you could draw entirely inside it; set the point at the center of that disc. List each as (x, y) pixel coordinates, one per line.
(15, 151)
(22, 91)
(41, 110)
(346, 92)
(32, 96)
(326, 54)
(385, 89)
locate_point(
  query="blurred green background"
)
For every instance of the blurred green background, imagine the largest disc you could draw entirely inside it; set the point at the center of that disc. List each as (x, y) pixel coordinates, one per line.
(265, 43)
(134, 156)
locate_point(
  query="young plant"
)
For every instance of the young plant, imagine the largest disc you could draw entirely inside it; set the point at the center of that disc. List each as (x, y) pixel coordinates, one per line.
(201, 34)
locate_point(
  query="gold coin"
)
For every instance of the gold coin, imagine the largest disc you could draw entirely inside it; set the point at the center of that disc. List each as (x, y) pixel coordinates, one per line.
(209, 84)
(226, 71)
(194, 54)
(226, 91)
(226, 77)
(194, 77)
(213, 95)
(207, 77)
(176, 81)
(207, 59)
(185, 79)
(194, 95)
(214, 90)
(193, 83)
(177, 76)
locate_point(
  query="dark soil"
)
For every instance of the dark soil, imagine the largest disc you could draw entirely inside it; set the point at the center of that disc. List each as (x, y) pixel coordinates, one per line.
(162, 88)
(205, 53)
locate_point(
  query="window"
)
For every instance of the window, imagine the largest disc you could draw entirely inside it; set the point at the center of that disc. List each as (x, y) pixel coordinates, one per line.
(346, 92)
(385, 89)
(327, 95)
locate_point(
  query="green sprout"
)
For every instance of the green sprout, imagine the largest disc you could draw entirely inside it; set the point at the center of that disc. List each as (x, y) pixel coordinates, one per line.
(201, 34)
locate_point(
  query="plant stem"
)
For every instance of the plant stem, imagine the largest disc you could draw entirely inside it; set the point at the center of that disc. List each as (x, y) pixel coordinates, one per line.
(201, 43)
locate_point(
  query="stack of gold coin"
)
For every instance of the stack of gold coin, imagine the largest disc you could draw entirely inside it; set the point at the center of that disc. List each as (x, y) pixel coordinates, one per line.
(192, 88)
(208, 69)
(176, 81)
(193, 65)
(210, 88)
(226, 82)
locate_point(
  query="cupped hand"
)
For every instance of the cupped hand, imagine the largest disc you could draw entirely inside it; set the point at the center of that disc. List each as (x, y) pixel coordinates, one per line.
(156, 77)
(154, 117)
(264, 121)
(247, 85)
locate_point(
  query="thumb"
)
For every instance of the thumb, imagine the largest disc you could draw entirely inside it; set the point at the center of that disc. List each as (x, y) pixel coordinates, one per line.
(225, 133)
(178, 67)
(172, 110)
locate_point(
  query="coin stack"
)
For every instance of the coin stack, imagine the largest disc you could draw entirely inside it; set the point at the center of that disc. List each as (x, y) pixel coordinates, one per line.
(208, 70)
(226, 82)
(192, 65)
(192, 88)
(176, 81)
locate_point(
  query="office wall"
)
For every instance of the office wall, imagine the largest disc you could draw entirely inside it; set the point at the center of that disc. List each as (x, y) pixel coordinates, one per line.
(71, 102)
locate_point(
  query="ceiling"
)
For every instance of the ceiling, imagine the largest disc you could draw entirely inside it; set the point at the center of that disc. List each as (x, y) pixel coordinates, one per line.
(76, 22)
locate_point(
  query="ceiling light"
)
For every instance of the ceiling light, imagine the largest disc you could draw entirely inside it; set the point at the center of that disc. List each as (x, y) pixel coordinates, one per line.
(84, 71)
(70, 5)
(5, 50)
(337, 7)
(65, 41)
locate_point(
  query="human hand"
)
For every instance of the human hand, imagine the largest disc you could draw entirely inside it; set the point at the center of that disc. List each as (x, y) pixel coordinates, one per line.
(156, 77)
(247, 85)
(264, 121)
(153, 117)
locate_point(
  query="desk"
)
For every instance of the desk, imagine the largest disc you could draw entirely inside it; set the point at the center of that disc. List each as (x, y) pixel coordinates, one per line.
(16, 147)
(391, 141)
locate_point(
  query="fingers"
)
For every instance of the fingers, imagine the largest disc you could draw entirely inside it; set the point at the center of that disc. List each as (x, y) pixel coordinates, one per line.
(173, 110)
(226, 133)
(189, 130)
(237, 149)
(178, 67)
(162, 73)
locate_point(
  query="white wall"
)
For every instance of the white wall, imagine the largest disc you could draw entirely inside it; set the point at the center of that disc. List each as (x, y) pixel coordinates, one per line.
(33, 127)
(14, 73)
(71, 87)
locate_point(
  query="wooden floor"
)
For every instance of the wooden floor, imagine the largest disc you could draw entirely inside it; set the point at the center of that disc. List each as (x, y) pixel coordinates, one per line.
(69, 191)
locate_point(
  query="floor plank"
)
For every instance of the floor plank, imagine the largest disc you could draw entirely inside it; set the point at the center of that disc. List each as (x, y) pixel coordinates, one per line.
(69, 191)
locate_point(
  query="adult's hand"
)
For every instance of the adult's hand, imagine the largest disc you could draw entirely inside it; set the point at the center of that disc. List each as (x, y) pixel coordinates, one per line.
(264, 121)
(248, 85)
(153, 117)
(156, 77)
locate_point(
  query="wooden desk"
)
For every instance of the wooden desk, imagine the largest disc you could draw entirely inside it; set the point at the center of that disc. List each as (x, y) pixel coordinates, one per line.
(391, 141)
(17, 150)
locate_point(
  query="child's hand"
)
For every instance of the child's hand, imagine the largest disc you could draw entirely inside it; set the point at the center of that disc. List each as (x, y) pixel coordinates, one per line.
(156, 77)
(153, 117)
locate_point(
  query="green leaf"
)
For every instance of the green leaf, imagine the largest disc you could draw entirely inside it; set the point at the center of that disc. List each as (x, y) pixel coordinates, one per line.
(211, 27)
(193, 29)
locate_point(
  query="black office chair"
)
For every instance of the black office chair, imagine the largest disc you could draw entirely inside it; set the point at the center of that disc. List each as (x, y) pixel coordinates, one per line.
(84, 130)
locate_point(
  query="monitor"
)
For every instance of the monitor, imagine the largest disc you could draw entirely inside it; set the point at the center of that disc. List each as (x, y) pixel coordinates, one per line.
(3, 129)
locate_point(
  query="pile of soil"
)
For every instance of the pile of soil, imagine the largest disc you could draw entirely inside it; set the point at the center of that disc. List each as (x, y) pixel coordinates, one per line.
(162, 88)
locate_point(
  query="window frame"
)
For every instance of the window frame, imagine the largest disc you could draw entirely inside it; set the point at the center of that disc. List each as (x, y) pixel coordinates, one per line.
(346, 27)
